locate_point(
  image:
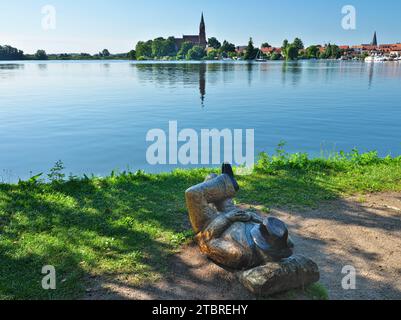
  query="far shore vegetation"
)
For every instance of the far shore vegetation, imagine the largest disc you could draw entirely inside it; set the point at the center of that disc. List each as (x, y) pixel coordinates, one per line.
(165, 50)
(126, 225)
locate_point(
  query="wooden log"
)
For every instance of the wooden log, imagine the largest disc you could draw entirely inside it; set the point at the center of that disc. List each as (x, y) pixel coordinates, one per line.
(272, 278)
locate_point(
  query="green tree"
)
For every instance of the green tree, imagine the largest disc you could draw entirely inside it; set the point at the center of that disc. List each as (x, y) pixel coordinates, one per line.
(328, 52)
(284, 48)
(105, 53)
(41, 55)
(131, 55)
(214, 43)
(298, 44)
(275, 56)
(335, 52)
(170, 47)
(185, 47)
(251, 52)
(10, 53)
(212, 54)
(312, 52)
(266, 45)
(158, 47)
(227, 47)
(292, 52)
(163, 47)
(144, 49)
(196, 53)
(232, 55)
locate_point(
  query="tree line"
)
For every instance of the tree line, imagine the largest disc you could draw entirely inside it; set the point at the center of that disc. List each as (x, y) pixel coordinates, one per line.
(296, 50)
(166, 49)
(11, 53)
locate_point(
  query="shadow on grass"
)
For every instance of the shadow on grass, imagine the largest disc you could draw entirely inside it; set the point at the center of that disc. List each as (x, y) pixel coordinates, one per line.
(123, 225)
(126, 227)
(191, 276)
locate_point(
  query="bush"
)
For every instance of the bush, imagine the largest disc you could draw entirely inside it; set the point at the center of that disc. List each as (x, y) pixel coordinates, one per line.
(196, 53)
(275, 56)
(292, 53)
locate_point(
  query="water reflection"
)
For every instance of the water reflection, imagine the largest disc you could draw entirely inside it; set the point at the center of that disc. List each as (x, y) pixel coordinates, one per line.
(202, 82)
(249, 68)
(11, 66)
(294, 69)
(371, 73)
(42, 66)
(7, 69)
(192, 75)
(200, 75)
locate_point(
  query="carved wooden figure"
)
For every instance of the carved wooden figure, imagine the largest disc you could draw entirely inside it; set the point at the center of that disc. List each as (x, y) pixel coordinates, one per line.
(258, 247)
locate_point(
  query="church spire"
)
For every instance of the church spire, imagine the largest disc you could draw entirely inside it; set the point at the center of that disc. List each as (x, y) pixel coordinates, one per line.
(202, 33)
(374, 43)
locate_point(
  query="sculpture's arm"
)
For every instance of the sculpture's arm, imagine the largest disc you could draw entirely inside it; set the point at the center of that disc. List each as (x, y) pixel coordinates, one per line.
(222, 222)
(216, 228)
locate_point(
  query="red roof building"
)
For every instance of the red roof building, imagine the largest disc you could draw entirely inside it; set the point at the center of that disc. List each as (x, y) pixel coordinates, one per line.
(270, 50)
(390, 47)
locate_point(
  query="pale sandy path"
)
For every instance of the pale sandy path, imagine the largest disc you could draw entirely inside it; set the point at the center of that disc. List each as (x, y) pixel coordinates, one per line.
(365, 235)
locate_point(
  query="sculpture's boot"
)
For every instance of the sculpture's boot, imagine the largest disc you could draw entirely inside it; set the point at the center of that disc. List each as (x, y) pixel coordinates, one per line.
(226, 205)
(218, 189)
(200, 197)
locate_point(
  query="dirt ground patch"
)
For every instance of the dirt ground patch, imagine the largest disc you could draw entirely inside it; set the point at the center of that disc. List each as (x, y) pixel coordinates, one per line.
(363, 232)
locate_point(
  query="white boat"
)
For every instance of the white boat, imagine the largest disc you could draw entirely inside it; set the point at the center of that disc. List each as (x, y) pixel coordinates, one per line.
(369, 59)
(380, 59)
(376, 58)
(258, 58)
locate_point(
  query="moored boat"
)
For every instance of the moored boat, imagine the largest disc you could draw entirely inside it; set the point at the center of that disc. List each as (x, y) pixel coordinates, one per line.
(260, 58)
(369, 59)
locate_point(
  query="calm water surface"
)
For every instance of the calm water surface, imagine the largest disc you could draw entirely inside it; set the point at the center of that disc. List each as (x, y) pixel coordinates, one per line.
(94, 116)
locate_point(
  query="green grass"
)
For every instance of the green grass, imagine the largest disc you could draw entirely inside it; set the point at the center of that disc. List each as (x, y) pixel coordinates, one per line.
(126, 225)
(317, 291)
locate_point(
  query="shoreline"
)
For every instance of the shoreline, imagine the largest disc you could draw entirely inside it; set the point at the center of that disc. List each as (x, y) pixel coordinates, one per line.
(333, 158)
(126, 226)
(183, 61)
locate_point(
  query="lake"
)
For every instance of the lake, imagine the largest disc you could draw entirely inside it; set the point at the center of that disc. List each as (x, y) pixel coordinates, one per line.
(95, 115)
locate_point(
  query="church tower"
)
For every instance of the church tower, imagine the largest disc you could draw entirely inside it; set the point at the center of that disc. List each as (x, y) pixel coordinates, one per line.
(202, 33)
(374, 43)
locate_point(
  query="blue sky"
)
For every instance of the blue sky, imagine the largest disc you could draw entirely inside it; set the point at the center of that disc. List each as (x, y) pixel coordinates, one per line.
(91, 25)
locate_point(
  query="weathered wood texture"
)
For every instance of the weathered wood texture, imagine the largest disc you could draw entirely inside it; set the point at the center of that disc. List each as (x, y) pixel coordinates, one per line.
(272, 278)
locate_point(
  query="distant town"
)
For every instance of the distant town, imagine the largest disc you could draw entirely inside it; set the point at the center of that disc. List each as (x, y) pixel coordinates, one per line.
(199, 47)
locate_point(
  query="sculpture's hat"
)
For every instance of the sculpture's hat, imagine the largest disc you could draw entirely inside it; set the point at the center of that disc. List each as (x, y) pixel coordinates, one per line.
(272, 238)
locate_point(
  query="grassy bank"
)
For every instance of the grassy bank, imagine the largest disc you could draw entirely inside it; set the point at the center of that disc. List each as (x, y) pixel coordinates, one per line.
(127, 224)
